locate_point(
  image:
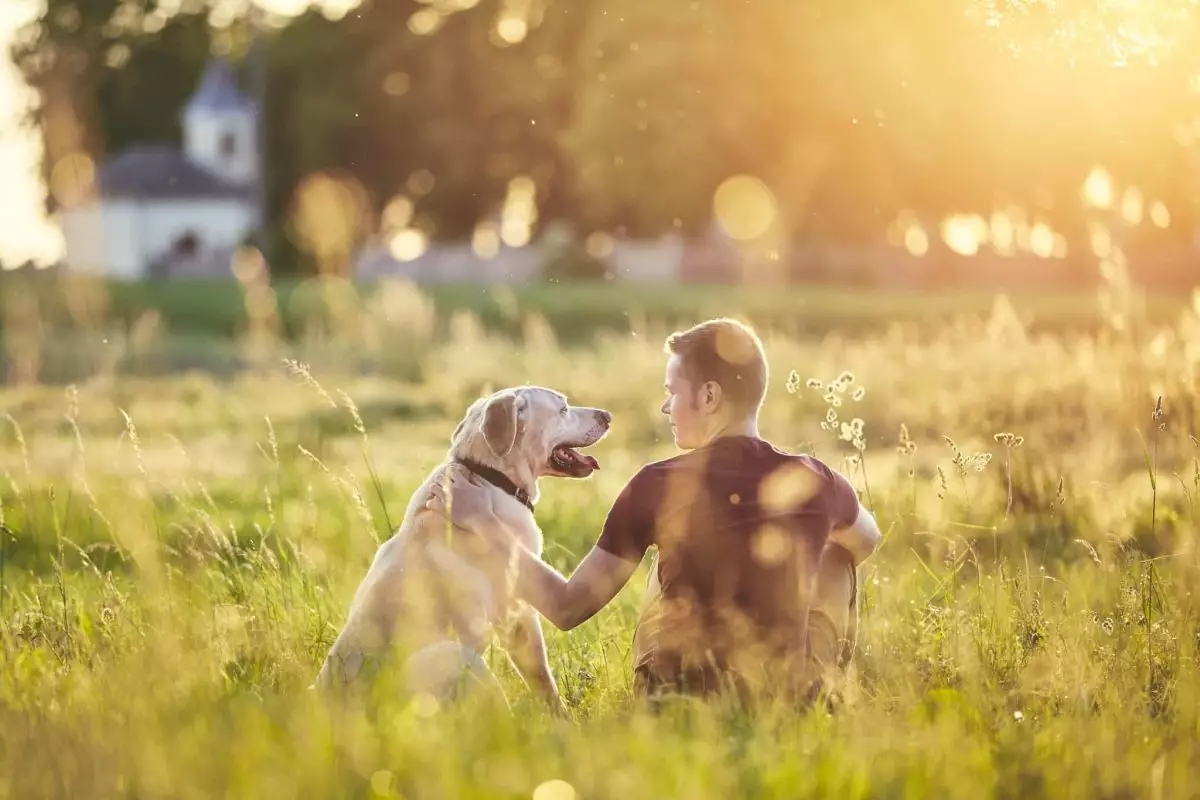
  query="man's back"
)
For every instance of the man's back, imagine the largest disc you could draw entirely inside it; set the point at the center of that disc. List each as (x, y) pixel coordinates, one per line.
(739, 527)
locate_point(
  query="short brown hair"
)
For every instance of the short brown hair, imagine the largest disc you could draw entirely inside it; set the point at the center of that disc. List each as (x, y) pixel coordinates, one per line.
(726, 352)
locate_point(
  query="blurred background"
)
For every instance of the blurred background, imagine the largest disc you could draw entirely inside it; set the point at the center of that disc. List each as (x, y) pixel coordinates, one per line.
(202, 159)
(259, 256)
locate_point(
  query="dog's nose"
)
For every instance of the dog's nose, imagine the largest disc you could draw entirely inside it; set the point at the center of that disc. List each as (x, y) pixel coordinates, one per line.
(604, 417)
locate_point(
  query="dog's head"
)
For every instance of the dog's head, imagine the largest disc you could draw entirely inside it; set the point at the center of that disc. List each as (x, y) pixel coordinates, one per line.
(529, 432)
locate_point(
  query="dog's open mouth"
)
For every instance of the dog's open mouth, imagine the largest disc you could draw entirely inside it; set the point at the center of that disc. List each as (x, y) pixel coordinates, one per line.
(567, 460)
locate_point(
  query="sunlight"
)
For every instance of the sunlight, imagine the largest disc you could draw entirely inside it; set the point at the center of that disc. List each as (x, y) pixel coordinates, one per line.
(72, 178)
(744, 207)
(916, 240)
(485, 240)
(964, 234)
(511, 28)
(1132, 206)
(408, 245)
(519, 213)
(1041, 240)
(398, 213)
(1003, 233)
(1098, 190)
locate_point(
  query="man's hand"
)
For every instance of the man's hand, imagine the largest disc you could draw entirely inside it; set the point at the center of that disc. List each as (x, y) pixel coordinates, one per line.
(464, 503)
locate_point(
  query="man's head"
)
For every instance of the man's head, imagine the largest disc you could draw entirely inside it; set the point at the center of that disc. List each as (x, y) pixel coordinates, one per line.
(716, 378)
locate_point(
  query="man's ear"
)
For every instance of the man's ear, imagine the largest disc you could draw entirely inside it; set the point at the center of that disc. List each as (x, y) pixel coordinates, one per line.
(710, 396)
(500, 423)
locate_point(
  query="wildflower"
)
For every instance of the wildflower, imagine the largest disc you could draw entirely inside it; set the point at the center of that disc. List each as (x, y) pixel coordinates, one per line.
(1091, 550)
(859, 394)
(815, 384)
(72, 402)
(846, 378)
(793, 382)
(353, 408)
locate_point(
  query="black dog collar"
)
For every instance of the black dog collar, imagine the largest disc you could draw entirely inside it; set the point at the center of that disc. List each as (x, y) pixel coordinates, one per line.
(498, 479)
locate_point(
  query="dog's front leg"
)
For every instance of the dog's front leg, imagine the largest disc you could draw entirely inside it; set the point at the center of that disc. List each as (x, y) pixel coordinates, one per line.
(526, 647)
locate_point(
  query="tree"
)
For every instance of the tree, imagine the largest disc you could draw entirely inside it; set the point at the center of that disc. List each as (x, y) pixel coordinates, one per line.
(109, 73)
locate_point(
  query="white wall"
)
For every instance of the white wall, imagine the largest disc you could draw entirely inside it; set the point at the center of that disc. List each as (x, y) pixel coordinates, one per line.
(103, 239)
(450, 263)
(215, 223)
(647, 261)
(121, 237)
(202, 134)
(633, 261)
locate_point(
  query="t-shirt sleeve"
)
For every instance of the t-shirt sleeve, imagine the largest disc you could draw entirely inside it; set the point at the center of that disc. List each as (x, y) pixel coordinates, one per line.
(841, 500)
(628, 530)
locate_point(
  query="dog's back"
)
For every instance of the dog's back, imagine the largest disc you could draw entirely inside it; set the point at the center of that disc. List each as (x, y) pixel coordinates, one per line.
(427, 583)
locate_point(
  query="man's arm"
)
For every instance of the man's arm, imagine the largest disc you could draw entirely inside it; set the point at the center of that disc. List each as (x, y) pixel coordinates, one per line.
(565, 602)
(569, 602)
(860, 538)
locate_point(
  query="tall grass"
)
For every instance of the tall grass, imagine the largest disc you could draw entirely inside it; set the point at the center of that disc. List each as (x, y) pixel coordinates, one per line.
(177, 555)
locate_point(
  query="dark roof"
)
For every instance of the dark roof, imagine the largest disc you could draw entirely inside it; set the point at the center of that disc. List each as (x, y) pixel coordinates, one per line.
(218, 90)
(160, 171)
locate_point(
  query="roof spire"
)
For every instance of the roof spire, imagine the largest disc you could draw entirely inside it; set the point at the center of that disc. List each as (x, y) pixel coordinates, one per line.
(218, 89)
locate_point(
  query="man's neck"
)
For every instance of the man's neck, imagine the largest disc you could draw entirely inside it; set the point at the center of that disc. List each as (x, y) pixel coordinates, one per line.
(747, 427)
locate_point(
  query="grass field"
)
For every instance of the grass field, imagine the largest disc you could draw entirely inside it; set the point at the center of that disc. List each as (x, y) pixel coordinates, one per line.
(181, 551)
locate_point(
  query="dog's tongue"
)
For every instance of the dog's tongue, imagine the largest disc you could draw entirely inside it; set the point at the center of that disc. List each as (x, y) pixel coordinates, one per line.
(591, 462)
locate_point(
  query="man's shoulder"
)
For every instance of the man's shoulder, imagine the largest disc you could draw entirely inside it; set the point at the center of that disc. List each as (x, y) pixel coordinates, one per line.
(656, 470)
(771, 456)
(746, 453)
(821, 478)
(810, 461)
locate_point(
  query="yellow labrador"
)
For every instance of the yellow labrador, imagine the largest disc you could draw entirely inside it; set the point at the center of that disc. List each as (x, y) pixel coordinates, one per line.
(435, 593)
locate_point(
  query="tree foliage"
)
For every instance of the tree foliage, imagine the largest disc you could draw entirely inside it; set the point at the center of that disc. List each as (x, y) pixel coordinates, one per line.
(628, 115)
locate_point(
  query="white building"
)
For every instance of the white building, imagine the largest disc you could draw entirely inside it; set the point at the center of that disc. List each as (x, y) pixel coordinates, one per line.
(160, 211)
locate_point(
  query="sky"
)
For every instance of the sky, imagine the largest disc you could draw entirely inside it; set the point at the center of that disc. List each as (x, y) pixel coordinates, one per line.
(25, 231)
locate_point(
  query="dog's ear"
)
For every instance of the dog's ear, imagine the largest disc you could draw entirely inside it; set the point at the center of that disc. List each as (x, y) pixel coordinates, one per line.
(500, 422)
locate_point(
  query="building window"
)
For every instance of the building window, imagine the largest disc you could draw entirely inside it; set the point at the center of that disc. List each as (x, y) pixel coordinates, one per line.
(228, 145)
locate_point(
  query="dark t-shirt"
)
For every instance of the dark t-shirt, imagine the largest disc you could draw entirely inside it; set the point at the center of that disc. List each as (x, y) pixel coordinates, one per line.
(738, 525)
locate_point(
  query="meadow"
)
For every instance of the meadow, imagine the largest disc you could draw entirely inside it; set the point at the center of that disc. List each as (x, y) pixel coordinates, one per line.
(180, 546)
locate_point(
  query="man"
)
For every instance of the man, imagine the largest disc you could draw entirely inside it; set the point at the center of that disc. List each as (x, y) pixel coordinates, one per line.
(755, 580)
